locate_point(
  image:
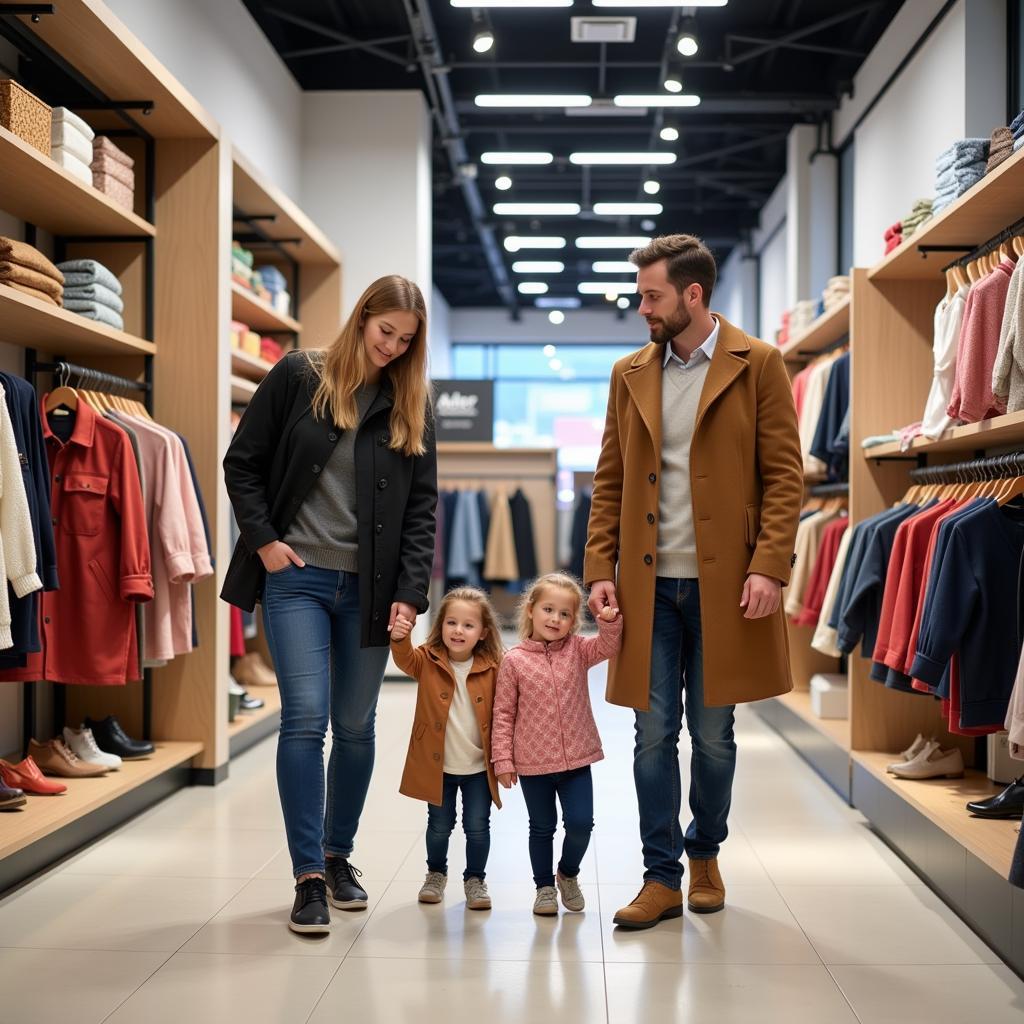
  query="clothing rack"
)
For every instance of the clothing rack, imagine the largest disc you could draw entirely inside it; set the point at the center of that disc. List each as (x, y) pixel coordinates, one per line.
(112, 384)
(978, 251)
(992, 468)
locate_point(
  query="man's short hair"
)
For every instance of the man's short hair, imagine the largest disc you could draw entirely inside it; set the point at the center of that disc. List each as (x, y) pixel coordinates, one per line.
(689, 261)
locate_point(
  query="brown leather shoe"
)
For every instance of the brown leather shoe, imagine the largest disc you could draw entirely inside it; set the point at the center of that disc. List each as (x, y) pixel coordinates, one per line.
(57, 758)
(655, 902)
(707, 890)
(252, 670)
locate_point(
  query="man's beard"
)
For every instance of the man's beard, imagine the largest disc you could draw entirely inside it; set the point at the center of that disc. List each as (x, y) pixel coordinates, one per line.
(664, 331)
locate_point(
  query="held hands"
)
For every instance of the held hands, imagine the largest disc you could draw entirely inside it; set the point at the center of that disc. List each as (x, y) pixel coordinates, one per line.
(609, 614)
(402, 628)
(508, 779)
(602, 598)
(277, 555)
(401, 612)
(761, 596)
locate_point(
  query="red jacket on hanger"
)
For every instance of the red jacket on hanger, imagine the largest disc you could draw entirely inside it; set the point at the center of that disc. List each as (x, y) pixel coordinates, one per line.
(99, 523)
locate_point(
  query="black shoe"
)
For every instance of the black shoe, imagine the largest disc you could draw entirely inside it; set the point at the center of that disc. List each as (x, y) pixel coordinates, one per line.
(310, 914)
(112, 739)
(251, 703)
(345, 892)
(1008, 804)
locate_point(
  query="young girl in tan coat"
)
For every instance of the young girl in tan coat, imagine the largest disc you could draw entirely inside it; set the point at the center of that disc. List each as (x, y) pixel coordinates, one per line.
(450, 747)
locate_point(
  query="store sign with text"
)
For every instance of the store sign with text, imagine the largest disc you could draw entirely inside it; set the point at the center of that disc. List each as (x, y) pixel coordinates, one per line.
(464, 410)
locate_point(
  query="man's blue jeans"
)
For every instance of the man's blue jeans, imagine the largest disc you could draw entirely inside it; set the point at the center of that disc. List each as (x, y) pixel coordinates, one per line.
(677, 684)
(311, 617)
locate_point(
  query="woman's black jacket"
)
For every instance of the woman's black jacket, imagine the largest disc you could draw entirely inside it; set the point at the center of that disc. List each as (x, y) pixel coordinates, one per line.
(277, 453)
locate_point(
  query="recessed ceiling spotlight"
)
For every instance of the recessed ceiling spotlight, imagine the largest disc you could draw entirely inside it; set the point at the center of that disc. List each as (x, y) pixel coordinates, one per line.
(669, 134)
(550, 350)
(652, 187)
(647, 225)
(503, 183)
(673, 83)
(687, 44)
(483, 40)
(622, 302)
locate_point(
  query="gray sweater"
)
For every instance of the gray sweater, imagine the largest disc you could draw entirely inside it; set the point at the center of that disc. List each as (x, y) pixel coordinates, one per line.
(680, 396)
(324, 531)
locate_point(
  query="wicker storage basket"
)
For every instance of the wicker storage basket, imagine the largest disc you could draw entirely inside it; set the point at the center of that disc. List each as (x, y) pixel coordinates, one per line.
(25, 115)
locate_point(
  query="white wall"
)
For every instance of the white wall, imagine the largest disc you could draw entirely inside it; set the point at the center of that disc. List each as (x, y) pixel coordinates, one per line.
(216, 50)
(735, 292)
(366, 182)
(774, 286)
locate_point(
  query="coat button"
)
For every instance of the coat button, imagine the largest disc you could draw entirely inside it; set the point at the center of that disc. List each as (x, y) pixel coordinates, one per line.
(47, 620)
(479, 700)
(377, 577)
(444, 696)
(648, 560)
(437, 757)
(380, 526)
(383, 440)
(650, 517)
(653, 477)
(382, 483)
(437, 725)
(58, 478)
(316, 468)
(332, 436)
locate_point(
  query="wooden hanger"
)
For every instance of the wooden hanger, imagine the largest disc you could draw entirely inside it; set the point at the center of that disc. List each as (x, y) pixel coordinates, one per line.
(1017, 244)
(62, 394)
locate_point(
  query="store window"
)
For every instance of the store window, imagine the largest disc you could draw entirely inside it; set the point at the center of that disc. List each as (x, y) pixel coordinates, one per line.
(546, 395)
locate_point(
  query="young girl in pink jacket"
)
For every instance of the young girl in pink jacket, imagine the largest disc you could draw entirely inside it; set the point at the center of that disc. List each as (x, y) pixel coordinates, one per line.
(543, 731)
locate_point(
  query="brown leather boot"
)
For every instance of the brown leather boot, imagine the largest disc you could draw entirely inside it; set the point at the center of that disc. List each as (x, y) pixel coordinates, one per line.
(57, 758)
(252, 670)
(707, 890)
(655, 902)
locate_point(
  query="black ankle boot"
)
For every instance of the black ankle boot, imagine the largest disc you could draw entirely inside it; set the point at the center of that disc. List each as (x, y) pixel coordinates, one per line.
(344, 891)
(310, 914)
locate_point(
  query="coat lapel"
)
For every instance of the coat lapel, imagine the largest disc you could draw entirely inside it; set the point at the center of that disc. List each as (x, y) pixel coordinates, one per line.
(728, 362)
(643, 379)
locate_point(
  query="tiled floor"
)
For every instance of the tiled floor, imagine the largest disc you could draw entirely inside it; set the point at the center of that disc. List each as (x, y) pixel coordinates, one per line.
(180, 917)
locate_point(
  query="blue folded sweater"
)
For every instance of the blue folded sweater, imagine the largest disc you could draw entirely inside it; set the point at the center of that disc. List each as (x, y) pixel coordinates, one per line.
(962, 153)
(79, 272)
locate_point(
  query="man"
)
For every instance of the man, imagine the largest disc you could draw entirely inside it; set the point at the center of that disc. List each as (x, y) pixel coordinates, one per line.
(696, 501)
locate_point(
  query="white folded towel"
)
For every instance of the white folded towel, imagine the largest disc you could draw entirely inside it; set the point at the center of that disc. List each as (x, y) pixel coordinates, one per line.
(72, 164)
(61, 115)
(72, 140)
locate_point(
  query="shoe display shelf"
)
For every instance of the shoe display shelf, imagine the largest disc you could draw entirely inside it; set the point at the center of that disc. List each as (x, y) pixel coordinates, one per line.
(249, 727)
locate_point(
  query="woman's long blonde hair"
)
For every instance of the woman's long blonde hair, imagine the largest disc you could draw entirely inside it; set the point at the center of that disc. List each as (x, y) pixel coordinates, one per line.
(490, 644)
(553, 579)
(342, 366)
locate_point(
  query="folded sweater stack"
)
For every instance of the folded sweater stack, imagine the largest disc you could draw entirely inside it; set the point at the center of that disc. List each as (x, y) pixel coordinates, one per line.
(113, 172)
(1017, 131)
(893, 236)
(92, 291)
(25, 269)
(276, 285)
(920, 213)
(71, 143)
(1000, 148)
(957, 169)
(837, 289)
(241, 266)
(802, 316)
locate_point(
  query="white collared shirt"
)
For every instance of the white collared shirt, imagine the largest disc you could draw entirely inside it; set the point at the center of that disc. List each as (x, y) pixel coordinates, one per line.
(706, 350)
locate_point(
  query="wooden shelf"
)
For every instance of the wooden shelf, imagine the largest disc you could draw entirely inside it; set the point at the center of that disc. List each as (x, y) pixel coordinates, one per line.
(249, 308)
(43, 815)
(242, 390)
(41, 192)
(90, 37)
(32, 323)
(979, 214)
(249, 367)
(835, 729)
(829, 328)
(246, 720)
(252, 195)
(993, 433)
(942, 802)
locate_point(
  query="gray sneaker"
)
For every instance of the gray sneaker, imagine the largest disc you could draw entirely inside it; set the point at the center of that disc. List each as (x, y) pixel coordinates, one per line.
(546, 902)
(477, 896)
(572, 897)
(433, 887)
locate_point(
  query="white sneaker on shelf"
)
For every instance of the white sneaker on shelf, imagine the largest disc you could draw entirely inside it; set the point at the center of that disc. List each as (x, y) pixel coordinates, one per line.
(909, 754)
(83, 743)
(932, 763)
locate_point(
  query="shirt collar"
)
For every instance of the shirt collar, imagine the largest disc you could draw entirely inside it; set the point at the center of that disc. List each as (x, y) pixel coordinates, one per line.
(708, 347)
(85, 424)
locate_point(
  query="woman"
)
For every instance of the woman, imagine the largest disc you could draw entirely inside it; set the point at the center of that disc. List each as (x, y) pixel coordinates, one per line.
(333, 478)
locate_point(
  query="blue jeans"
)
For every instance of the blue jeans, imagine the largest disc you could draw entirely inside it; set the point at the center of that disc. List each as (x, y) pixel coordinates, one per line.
(575, 792)
(311, 617)
(677, 682)
(476, 823)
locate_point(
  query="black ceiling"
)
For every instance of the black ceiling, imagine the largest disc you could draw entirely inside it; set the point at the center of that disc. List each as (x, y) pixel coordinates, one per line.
(763, 66)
